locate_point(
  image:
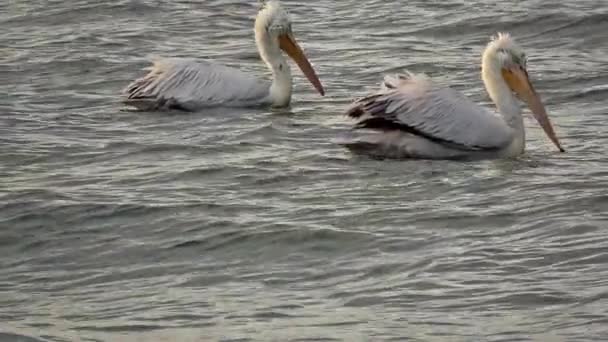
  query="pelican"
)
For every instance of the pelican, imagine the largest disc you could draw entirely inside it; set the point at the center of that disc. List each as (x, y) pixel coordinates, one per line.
(189, 85)
(413, 117)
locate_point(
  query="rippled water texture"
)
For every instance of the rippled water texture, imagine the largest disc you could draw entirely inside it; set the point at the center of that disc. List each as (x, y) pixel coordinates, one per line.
(251, 225)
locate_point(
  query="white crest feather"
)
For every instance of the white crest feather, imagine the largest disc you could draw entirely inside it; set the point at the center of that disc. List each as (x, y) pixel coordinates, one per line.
(504, 41)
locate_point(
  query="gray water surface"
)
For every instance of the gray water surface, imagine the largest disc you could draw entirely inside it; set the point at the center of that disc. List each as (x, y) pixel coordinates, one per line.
(251, 225)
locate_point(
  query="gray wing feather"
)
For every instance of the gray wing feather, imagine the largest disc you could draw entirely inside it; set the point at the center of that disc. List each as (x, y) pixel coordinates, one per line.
(414, 104)
(189, 85)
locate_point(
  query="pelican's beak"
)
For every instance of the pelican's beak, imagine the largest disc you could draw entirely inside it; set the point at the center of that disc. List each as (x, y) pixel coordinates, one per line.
(517, 79)
(288, 43)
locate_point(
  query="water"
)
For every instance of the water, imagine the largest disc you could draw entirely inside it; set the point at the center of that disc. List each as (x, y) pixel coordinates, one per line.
(251, 225)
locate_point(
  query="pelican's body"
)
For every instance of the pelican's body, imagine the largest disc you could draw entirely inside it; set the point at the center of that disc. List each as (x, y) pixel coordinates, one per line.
(412, 117)
(187, 84)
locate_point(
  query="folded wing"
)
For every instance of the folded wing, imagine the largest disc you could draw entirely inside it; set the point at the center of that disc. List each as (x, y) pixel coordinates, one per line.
(186, 84)
(412, 103)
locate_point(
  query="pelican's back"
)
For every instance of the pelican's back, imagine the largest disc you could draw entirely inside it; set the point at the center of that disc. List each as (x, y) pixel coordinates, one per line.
(186, 84)
(414, 104)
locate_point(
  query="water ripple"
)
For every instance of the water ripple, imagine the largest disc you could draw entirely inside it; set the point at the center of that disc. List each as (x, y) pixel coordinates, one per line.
(247, 225)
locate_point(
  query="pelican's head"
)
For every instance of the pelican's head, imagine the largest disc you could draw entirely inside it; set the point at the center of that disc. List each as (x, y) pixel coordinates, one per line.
(273, 32)
(505, 59)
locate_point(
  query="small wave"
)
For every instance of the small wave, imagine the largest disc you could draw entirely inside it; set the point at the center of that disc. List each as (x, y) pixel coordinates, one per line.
(19, 338)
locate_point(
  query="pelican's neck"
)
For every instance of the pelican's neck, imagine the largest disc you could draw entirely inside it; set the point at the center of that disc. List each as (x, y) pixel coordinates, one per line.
(500, 93)
(268, 47)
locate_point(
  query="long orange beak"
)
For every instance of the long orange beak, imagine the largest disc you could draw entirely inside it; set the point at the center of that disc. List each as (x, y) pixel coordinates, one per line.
(517, 79)
(288, 43)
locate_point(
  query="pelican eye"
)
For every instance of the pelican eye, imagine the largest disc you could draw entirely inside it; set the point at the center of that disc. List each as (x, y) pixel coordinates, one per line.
(280, 28)
(519, 59)
(274, 28)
